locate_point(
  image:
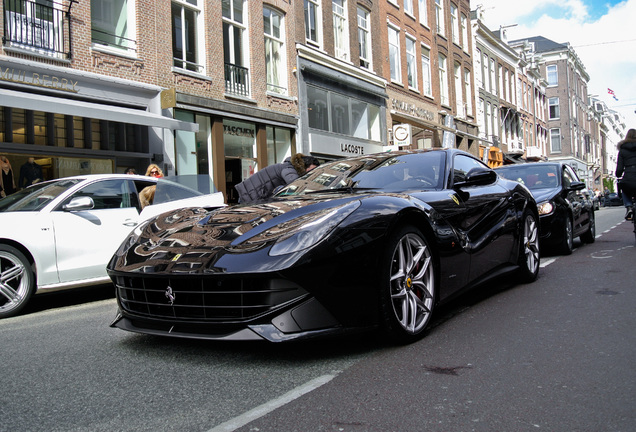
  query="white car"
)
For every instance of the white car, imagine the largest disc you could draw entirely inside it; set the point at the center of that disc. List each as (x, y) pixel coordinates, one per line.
(60, 234)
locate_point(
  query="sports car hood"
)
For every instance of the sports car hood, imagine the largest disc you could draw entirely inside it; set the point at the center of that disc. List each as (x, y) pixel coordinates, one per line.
(541, 195)
(197, 240)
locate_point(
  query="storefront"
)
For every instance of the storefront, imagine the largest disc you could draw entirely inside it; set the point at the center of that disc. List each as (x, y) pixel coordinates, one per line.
(233, 140)
(72, 122)
(342, 108)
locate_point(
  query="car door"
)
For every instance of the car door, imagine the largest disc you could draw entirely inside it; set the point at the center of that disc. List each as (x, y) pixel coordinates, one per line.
(489, 224)
(86, 239)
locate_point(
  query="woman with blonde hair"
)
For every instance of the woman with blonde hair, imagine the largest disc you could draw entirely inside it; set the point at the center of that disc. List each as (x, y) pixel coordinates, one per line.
(7, 181)
(154, 171)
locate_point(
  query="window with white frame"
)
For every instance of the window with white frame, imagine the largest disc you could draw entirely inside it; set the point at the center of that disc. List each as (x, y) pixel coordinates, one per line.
(275, 57)
(493, 76)
(364, 38)
(439, 17)
(481, 118)
(469, 92)
(427, 87)
(479, 76)
(187, 43)
(488, 129)
(394, 54)
(555, 140)
(443, 80)
(464, 25)
(340, 29)
(506, 88)
(459, 88)
(411, 62)
(553, 108)
(454, 24)
(552, 76)
(408, 7)
(313, 27)
(423, 11)
(500, 82)
(113, 24)
(235, 47)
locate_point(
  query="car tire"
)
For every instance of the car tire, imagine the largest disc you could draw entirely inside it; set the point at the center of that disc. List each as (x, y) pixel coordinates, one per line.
(567, 244)
(529, 256)
(589, 236)
(17, 281)
(408, 285)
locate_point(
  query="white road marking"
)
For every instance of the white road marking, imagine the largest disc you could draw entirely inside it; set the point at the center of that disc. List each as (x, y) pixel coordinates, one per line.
(266, 408)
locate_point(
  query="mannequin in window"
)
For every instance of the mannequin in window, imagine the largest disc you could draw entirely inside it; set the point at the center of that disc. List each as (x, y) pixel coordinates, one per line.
(30, 173)
(7, 181)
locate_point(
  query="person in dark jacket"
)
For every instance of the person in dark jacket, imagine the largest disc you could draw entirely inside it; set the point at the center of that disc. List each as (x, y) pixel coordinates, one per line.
(626, 167)
(261, 184)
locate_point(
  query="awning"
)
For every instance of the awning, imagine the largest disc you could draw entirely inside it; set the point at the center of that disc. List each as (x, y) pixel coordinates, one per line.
(36, 102)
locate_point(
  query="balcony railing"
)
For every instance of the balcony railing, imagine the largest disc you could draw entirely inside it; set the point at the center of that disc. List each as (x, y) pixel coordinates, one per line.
(237, 80)
(36, 27)
(113, 40)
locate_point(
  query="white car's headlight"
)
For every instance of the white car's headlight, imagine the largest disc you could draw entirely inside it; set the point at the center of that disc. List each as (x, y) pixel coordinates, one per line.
(545, 208)
(312, 231)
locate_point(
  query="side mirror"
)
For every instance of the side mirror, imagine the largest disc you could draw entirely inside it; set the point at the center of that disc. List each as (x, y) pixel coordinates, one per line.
(577, 185)
(79, 203)
(477, 177)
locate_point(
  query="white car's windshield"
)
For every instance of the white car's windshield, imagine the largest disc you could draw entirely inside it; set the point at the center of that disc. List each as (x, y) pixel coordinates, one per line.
(35, 197)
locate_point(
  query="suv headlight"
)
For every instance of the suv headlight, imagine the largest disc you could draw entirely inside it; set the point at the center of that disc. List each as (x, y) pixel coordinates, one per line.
(545, 208)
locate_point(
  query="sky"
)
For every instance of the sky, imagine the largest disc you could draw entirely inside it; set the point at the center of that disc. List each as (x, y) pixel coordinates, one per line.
(602, 33)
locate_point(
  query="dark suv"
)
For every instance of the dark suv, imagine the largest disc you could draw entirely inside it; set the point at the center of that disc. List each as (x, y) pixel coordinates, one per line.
(564, 210)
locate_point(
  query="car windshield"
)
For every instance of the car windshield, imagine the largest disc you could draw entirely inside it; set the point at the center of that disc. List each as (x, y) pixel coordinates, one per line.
(36, 197)
(532, 176)
(384, 172)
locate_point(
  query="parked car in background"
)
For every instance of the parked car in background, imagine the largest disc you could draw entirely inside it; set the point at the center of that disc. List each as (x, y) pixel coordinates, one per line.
(565, 212)
(372, 242)
(613, 200)
(60, 234)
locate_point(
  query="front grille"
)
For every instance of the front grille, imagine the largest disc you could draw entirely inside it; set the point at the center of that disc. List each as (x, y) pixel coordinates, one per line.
(204, 299)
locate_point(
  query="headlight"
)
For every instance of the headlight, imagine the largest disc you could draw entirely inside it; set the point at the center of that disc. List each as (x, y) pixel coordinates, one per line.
(545, 208)
(311, 232)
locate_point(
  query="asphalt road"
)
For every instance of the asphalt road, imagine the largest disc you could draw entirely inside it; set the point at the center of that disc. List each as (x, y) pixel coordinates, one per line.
(556, 355)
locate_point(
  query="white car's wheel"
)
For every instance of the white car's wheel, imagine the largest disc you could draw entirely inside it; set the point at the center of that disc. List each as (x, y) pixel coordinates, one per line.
(17, 281)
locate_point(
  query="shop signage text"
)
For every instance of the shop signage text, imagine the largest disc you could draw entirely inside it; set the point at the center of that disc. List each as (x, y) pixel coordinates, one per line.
(38, 80)
(239, 131)
(351, 149)
(411, 109)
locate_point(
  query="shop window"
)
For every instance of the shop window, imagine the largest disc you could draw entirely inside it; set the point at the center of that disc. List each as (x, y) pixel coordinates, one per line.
(3, 125)
(335, 112)
(19, 126)
(278, 144)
